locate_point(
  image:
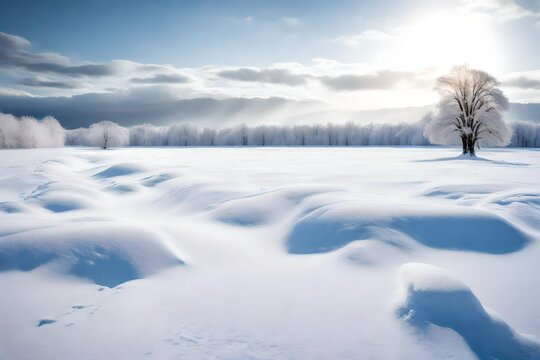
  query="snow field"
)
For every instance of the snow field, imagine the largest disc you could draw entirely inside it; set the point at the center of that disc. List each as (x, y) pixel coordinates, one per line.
(269, 253)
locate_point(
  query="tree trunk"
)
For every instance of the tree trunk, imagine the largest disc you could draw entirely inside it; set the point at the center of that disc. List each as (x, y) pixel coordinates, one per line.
(464, 144)
(471, 145)
(468, 143)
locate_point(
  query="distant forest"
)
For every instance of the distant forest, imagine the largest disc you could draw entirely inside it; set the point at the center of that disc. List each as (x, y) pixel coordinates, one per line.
(28, 132)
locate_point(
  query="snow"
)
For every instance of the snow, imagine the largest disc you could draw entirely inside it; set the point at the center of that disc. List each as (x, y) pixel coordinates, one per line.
(334, 226)
(234, 253)
(107, 254)
(436, 297)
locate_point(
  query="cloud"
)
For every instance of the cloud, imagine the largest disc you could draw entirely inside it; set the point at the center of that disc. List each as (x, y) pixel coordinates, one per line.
(524, 80)
(42, 82)
(505, 10)
(323, 79)
(15, 52)
(367, 35)
(152, 104)
(12, 42)
(13, 92)
(383, 79)
(270, 76)
(162, 79)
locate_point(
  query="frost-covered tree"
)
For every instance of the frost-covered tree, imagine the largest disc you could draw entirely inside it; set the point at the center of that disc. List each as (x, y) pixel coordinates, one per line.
(52, 133)
(148, 135)
(106, 134)
(526, 134)
(28, 132)
(9, 131)
(182, 135)
(469, 111)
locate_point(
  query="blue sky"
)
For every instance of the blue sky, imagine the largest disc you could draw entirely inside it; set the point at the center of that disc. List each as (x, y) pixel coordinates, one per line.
(189, 33)
(349, 54)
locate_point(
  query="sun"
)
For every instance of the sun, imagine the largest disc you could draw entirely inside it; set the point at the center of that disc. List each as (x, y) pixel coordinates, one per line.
(444, 39)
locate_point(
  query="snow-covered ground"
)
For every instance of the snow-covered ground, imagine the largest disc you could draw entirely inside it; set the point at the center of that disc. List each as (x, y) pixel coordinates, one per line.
(269, 253)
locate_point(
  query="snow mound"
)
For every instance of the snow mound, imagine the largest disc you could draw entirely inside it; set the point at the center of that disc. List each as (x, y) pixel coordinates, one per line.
(121, 188)
(254, 209)
(10, 207)
(64, 202)
(390, 246)
(433, 296)
(464, 192)
(471, 230)
(154, 180)
(266, 207)
(458, 228)
(251, 211)
(527, 198)
(118, 170)
(106, 254)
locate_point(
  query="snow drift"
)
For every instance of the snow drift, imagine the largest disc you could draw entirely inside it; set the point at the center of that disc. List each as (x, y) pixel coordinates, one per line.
(431, 295)
(107, 254)
(330, 227)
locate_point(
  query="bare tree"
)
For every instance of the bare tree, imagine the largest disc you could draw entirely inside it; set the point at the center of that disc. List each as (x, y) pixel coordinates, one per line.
(470, 111)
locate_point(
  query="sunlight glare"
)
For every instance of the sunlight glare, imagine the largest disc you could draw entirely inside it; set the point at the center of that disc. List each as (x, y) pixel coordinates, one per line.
(442, 40)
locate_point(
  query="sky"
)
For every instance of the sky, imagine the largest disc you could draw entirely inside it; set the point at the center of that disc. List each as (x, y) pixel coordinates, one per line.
(254, 61)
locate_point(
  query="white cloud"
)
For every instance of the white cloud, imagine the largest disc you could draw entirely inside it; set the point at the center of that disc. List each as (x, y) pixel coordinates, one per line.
(13, 92)
(505, 10)
(15, 52)
(526, 80)
(343, 85)
(173, 78)
(269, 76)
(367, 35)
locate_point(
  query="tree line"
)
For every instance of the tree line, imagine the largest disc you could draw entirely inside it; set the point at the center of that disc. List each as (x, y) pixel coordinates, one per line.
(28, 132)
